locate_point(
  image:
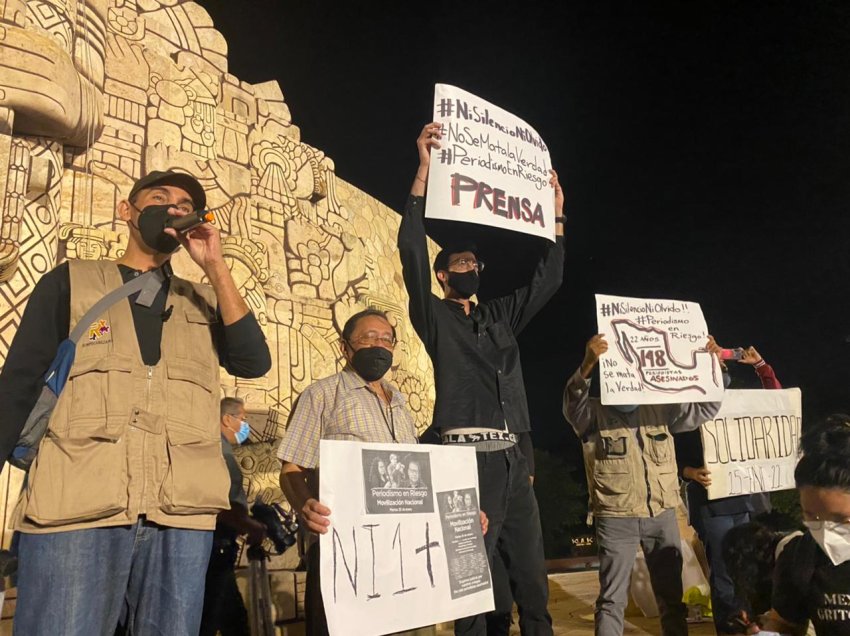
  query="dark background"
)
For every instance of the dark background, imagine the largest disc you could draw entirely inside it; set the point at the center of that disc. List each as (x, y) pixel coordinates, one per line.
(703, 148)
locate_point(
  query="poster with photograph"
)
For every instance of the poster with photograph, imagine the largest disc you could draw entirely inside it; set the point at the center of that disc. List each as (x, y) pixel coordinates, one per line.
(397, 482)
(469, 571)
(393, 559)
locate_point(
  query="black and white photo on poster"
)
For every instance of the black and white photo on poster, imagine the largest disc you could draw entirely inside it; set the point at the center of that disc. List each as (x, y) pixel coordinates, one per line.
(468, 569)
(397, 482)
(389, 572)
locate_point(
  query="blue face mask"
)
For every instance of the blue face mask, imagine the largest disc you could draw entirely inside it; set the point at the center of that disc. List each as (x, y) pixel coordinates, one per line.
(243, 432)
(626, 408)
(727, 380)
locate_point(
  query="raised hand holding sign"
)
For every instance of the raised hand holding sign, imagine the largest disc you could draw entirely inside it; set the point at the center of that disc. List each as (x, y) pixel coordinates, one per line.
(487, 166)
(660, 352)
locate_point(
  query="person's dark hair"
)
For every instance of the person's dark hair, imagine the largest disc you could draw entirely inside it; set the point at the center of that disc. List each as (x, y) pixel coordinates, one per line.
(231, 406)
(444, 255)
(824, 455)
(749, 552)
(351, 323)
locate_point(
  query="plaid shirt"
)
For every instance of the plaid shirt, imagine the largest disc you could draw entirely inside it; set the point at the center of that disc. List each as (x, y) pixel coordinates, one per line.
(344, 407)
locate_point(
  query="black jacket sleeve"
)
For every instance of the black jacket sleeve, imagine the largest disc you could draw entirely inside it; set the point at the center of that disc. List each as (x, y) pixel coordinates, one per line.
(242, 348)
(519, 307)
(527, 448)
(688, 450)
(44, 324)
(416, 270)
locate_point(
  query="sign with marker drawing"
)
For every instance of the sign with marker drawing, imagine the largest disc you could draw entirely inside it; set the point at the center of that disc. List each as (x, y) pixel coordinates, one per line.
(752, 443)
(656, 352)
(405, 548)
(492, 168)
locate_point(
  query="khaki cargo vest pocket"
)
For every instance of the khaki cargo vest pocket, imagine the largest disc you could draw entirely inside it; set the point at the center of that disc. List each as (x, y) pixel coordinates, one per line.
(660, 444)
(197, 481)
(194, 328)
(612, 482)
(77, 479)
(191, 399)
(669, 482)
(612, 445)
(98, 389)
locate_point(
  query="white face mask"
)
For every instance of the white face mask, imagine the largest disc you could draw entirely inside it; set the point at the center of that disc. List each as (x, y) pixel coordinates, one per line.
(833, 538)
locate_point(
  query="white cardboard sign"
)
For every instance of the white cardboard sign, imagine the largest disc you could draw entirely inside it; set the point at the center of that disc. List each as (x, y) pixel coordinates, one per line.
(656, 352)
(752, 444)
(405, 547)
(492, 168)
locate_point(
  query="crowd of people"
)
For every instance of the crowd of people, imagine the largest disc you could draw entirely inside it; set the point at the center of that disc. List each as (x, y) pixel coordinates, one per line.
(131, 481)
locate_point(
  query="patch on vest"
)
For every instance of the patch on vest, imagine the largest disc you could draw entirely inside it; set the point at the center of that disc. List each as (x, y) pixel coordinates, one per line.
(98, 330)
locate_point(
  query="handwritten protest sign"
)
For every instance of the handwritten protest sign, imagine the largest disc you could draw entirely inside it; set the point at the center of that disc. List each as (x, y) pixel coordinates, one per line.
(751, 445)
(492, 168)
(656, 352)
(405, 548)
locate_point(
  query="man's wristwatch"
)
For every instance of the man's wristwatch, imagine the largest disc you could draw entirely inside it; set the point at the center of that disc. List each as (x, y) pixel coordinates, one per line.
(560, 219)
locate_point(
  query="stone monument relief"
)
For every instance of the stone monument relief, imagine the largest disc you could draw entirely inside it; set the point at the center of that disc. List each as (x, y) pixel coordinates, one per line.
(96, 93)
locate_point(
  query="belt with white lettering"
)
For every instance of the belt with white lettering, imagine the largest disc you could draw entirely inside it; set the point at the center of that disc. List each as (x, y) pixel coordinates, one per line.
(481, 435)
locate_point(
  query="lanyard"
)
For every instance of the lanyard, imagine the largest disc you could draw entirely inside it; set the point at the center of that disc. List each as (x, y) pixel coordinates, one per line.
(389, 421)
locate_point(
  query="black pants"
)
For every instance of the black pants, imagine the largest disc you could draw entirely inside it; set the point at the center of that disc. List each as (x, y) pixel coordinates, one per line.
(500, 619)
(316, 622)
(224, 609)
(508, 499)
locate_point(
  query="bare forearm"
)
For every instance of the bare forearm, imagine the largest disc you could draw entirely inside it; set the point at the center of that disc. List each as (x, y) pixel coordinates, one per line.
(293, 482)
(420, 183)
(586, 368)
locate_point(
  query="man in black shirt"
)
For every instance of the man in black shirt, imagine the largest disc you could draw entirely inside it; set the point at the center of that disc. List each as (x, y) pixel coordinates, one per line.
(46, 321)
(480, 391)
(139, 472)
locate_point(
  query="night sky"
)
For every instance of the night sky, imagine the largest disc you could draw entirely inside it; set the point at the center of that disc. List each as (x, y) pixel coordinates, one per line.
(704, 149)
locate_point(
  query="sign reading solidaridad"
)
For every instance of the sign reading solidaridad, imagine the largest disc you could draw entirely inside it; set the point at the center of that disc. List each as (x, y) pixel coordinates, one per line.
(752, 444)
(492, 168)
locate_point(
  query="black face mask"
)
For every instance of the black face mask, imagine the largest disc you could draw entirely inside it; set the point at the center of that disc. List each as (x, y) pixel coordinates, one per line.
(151, 225)
(464, 283)
(371, 363)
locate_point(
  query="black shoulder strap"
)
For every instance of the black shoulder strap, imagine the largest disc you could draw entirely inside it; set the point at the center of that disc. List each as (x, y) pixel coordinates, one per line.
(148, 284)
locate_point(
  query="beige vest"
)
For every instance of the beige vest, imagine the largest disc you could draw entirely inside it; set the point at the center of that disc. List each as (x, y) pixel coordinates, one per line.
(631, 470)
(128, 439)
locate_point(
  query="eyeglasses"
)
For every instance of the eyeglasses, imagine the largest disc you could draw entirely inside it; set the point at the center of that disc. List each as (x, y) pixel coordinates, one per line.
(161, 198)
(374, 339)
(467, 264)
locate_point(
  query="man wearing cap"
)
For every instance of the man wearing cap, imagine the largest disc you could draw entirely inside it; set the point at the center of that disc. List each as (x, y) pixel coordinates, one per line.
(117, 514)
(480, 391)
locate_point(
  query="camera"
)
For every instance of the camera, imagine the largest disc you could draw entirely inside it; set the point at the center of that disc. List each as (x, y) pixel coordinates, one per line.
(732, 354)
(281, 526)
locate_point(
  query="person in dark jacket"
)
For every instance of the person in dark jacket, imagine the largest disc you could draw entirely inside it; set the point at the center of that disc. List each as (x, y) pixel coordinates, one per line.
(713, 519)
(480, 397)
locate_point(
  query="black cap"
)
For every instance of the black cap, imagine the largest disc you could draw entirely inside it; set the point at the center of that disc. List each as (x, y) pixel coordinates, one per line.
(179, 179)
(442, 259)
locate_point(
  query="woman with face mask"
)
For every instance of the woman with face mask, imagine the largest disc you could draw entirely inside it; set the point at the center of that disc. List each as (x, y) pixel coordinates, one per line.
(811, 581)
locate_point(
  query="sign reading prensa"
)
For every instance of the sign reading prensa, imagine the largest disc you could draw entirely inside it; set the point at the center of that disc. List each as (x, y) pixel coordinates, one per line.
(656, 352)
(492, 168)
(753, 442)
(405, 548)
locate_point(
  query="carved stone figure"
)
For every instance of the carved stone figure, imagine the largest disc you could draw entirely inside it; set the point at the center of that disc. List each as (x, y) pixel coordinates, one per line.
(95, 93)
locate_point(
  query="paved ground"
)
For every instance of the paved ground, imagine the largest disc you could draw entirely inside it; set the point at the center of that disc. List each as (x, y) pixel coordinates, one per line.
(571, 598)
